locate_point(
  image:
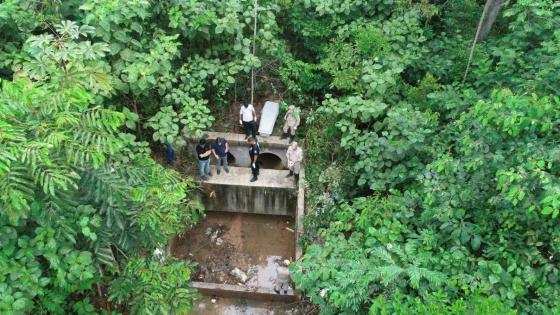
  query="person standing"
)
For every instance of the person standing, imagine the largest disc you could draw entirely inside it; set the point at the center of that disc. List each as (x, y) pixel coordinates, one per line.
(291, 122)
(294, 154)
(203, 152)
(248, 119)
(254, 152)
(220, 150)
(169, 153)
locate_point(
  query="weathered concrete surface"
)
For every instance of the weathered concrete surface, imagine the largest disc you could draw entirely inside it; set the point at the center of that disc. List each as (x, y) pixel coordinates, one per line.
(272, 194)
(238, 291)
(300, 213)
(239, 148)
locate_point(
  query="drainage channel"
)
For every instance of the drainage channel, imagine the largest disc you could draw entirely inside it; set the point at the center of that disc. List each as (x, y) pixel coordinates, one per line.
(249, 235)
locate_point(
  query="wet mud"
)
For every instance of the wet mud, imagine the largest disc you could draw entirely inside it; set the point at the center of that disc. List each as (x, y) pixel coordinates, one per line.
(254, 244)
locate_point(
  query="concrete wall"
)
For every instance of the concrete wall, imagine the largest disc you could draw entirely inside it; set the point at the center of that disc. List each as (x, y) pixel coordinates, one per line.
(300, 213)
(239, 148)
(241, 154)
(250, 199)
(242, 292)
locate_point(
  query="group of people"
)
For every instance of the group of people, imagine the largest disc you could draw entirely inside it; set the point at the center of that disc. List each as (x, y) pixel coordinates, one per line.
(248, 119)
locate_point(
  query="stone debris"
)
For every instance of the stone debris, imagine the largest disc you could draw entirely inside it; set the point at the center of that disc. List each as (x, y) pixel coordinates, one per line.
(219, 241)
(252, 271)
(214, 235)
(239, 274)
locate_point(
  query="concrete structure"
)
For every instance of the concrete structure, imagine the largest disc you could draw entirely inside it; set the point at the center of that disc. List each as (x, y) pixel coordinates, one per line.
(269, 114)
(300, 213)
(272, 194)
(238, 291)
(271, 148)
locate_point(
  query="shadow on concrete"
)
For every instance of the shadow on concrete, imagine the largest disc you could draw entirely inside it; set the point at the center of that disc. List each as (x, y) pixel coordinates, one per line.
(230, 159)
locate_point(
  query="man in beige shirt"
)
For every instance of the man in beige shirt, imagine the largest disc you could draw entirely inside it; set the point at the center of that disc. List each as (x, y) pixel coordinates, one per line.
(291, 122)
(295, 156)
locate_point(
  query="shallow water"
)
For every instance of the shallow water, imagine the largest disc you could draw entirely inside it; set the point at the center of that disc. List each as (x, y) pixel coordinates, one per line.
(224, 306)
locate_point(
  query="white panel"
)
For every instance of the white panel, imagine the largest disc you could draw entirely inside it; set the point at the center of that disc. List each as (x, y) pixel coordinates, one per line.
(268, 118)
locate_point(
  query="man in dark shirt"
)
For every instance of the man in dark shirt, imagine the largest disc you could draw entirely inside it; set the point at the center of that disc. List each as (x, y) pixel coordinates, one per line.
(254, 152)
(203, 152)
(169, 153)
(220, 150)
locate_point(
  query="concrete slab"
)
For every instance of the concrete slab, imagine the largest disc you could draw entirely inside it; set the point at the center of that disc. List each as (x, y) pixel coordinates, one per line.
(240, 176)
(269, 114)
(237, 291)
(239, 139)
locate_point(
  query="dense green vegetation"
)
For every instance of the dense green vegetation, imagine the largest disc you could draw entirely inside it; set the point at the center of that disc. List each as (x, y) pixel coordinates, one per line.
(431, 189)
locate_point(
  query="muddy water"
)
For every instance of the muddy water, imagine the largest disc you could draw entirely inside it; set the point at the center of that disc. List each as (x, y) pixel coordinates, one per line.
(224, 306)
(256, 244)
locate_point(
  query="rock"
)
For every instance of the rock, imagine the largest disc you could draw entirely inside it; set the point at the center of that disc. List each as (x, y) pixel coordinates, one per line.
(253, 270)
(213, 301)
(219, 241)
(214, 236)
(282, 282)
(159, 255)
(239, 274)
(283, 274)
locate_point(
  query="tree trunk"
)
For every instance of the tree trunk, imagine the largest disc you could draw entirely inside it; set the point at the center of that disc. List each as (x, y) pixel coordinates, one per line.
(492, 8)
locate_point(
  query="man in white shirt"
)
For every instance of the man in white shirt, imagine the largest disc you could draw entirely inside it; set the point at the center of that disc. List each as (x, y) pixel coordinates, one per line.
(248, 118)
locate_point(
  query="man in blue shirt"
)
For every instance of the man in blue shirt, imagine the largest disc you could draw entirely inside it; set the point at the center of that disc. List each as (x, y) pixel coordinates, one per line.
(203, 152)
(169, 153)
(220, 149)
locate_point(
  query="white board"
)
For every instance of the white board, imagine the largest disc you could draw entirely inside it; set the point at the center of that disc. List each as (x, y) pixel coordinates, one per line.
(269, 115)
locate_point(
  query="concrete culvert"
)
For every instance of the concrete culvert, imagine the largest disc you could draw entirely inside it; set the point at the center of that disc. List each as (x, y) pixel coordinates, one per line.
(271, 161)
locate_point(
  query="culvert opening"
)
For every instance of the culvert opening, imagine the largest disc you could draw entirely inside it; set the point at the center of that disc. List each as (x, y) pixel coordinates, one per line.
(270, 161)
(230, 159)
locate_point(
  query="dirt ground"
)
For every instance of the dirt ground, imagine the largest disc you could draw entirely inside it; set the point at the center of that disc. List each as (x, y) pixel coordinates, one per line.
(255, 244)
